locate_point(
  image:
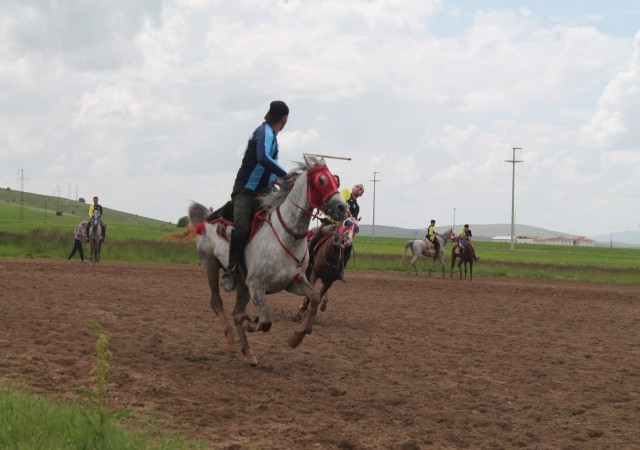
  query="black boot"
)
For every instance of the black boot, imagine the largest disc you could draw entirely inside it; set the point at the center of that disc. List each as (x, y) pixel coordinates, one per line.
(229, 280)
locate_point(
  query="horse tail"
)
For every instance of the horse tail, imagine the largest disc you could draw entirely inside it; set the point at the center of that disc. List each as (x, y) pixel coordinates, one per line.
(189, 231)
(197, 212)
(404, 254)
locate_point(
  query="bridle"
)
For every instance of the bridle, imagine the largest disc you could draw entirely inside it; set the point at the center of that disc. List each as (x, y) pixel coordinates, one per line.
(321, 186)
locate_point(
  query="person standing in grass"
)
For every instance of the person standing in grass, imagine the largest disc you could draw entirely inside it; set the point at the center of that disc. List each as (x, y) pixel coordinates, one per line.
(78, 236)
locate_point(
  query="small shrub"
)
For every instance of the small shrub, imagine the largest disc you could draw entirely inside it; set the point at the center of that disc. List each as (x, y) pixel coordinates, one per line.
(183, 222)
(58, 213)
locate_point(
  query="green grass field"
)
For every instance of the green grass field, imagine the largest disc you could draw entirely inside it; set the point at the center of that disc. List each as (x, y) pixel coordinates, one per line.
(44, 234)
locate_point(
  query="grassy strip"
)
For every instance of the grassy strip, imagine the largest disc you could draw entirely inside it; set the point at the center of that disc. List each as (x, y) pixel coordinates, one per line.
(613, 265)
(28, 421)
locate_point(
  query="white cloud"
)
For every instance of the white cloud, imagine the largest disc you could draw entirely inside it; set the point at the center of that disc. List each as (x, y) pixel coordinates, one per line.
(159, 98)
(614, 123)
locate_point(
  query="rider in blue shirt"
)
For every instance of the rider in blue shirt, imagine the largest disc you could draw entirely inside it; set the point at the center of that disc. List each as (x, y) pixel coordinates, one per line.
(258, 171)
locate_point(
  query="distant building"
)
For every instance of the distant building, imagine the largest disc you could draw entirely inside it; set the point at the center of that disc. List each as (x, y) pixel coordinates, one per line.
(567, 241)
(581, 241)
(519, 239)
(558, 240)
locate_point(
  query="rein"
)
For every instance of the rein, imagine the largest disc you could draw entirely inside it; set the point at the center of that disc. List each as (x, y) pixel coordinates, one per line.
(296, 277)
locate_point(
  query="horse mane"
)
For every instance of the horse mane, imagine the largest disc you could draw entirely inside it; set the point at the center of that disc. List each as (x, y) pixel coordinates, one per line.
(275, 197)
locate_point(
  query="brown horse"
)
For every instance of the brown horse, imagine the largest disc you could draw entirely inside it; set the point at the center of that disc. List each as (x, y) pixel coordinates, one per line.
(328, 260)
(467, 257)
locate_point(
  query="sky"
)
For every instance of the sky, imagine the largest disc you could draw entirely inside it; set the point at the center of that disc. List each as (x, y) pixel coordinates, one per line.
(148, 104)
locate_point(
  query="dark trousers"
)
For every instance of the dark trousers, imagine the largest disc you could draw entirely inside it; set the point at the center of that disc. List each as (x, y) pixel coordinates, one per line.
(77, 247)
(243, 210)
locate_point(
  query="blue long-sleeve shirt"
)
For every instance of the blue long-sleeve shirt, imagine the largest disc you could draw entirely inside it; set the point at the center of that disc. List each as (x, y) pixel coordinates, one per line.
(260, 166)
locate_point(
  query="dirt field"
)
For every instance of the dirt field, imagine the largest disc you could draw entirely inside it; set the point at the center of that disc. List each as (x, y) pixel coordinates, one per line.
(396, 361)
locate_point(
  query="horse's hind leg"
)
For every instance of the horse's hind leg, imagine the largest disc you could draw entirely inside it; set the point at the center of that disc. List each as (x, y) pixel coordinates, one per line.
(212, 268)
(413, 263)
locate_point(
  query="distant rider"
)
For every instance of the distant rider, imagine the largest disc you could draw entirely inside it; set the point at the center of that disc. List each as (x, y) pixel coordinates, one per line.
(96, 206)
(432, 236)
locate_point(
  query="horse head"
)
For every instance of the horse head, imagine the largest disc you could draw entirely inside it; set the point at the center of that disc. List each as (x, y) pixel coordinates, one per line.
(96, 219)
(317, 190)
(449, 235)
(346, 231)
(322, 189)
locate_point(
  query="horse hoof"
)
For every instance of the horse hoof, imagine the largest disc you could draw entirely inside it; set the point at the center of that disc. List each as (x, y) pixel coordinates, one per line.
(295, 339)
(264, 326)
(298, 317)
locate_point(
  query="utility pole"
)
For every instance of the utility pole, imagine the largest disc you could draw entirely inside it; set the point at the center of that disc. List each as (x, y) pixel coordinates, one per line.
(373, 228)
(611, 236)
(21, 172)
(513, 195)
(453, 227)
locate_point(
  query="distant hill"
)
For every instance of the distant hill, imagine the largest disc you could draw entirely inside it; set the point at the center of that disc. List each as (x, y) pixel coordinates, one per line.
(66, 206)
(480, 232)
(488, 232)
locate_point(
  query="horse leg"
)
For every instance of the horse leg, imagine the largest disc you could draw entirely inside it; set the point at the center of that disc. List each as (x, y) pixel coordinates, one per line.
(471, 270)
(441, 259)
(323, 294)
(313, 277)
(243, 323)
(212, 268)
(460, 268)
(453, 262)
(259, 297)
(303, 288)
(413, 263)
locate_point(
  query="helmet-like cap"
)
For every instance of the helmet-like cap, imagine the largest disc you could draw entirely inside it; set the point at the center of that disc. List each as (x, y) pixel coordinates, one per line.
(277, 110)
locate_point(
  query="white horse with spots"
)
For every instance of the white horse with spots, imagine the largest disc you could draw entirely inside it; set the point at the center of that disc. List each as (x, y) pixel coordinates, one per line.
(276, 256)
(423, 247)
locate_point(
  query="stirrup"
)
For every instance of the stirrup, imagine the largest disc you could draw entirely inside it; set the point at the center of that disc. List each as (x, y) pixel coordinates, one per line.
(228, 280)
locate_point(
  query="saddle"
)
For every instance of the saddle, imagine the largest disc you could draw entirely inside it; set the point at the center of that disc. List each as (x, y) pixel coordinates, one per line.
(430, 246)
(223, 216)
(327, 233)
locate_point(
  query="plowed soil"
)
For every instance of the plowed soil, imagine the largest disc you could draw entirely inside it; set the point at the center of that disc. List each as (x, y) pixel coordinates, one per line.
(397, 361)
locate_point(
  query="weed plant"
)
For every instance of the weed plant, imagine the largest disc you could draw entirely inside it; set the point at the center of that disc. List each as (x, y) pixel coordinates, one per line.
(28, 421)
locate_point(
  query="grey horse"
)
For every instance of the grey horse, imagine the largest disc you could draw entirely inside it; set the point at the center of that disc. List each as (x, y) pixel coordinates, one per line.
(423, 247)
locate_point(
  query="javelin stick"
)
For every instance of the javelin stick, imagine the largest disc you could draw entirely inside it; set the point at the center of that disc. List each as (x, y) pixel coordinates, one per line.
(328, 156)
